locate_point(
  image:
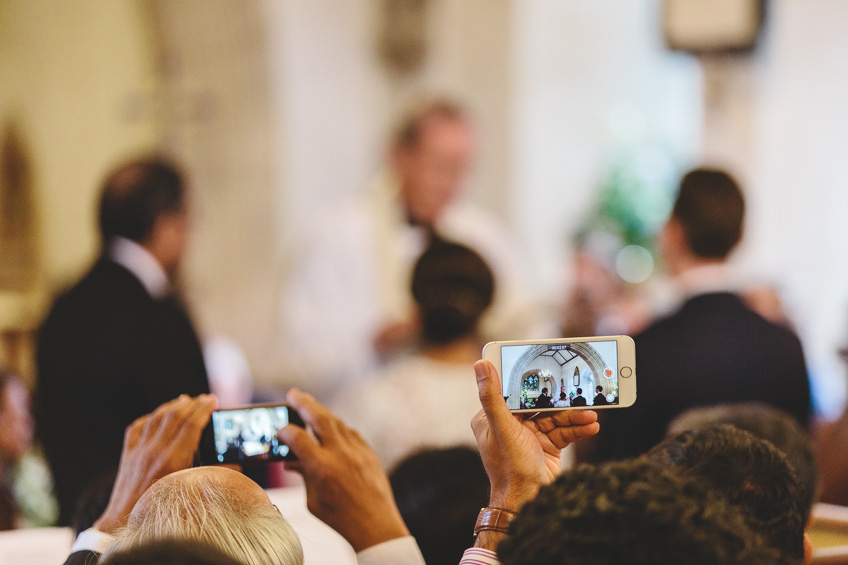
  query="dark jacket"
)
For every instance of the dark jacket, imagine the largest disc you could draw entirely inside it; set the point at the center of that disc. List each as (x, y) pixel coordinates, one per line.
(107, 354)
(713, 350)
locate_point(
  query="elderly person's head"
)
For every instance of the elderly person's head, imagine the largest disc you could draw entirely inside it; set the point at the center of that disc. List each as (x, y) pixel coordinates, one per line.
(216, 506)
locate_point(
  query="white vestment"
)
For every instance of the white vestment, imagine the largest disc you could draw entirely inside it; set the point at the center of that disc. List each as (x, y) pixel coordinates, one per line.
(351, 277)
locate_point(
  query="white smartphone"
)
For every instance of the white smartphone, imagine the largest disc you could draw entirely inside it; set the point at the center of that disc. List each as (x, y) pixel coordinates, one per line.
(560, 374)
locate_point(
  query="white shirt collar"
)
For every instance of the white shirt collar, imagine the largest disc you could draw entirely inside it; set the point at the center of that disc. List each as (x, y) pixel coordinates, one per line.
(706, 279)
(137, 260)
(92, 539)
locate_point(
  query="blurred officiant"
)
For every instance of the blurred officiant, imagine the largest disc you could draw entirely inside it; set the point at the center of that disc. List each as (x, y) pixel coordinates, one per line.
(347, 304)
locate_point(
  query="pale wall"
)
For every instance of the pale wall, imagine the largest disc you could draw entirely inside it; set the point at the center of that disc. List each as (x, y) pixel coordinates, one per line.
(588, 78)
(798, 189)
(69, 72)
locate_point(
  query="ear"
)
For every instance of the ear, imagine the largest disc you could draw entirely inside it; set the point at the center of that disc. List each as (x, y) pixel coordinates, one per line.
(398, 156)
(672, 232)
(808, 549)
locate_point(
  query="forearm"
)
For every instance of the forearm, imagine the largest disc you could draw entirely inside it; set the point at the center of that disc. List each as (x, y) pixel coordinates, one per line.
(373, 533)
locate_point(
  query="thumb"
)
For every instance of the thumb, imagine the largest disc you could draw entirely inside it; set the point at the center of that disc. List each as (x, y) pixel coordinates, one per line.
(301, 444)
(491, 395)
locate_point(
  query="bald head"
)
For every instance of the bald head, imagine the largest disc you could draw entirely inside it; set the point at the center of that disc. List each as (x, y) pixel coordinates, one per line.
(198, 478)
(217, 506)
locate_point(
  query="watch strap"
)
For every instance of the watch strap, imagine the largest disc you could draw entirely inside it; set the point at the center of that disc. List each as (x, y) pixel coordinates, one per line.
(494, 519)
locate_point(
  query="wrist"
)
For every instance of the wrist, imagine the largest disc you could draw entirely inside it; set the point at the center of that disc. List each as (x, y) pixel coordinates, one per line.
(512, 499)
(377, 533)
(491, 527)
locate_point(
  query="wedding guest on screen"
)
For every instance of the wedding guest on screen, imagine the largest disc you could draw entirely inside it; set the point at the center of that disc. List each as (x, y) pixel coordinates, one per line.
(578, 399)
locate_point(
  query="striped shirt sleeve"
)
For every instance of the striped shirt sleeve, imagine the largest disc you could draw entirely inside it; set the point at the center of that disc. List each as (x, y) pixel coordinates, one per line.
(478, 556)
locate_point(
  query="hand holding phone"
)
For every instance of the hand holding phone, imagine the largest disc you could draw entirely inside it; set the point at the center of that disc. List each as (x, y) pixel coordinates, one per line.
(247, 435)
(557, 374)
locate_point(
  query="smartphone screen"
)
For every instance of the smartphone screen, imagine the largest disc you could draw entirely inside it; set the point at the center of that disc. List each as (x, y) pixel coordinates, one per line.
(248, 435)
(560, 375)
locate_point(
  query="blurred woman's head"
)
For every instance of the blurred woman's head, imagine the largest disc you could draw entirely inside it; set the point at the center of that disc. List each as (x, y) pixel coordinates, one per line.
(453, 286)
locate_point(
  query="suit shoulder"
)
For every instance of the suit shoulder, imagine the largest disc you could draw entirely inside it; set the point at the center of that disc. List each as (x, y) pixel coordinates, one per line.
(107, 291)
(659, 328)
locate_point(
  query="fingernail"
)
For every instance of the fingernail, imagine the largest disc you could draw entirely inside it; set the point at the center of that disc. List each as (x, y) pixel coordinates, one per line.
(479, 370)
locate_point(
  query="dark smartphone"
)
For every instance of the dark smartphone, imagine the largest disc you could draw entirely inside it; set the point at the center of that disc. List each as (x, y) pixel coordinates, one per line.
(247, 435)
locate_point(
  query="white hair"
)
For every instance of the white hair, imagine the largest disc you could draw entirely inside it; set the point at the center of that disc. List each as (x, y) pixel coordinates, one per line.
(201, 508)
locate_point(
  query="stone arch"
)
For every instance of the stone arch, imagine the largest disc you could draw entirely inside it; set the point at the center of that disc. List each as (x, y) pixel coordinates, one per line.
(583, 350)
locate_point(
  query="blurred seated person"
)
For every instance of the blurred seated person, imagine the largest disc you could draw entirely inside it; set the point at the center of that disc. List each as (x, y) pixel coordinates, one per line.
(346, 306)
(25, 489)
(831, 446)
(543, 400)
(713, 349)
(578, 399)
(599, 301)
(429, 396)
(439, 493)
(750, 473)
(600, 399)
(118, 343)
(771, 424)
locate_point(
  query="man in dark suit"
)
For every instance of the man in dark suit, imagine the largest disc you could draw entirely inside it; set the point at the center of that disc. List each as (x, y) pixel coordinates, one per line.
(118, 344)
(600, 399)
(578, 400)
(543, 400)
(713, 349)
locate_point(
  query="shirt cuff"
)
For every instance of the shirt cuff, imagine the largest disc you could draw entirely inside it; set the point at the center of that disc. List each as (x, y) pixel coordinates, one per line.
(399, 551)
(479, 556)
(92, 540)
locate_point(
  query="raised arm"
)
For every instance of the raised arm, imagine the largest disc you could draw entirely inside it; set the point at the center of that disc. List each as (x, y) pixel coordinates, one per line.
(520, 453)
(346, 486)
